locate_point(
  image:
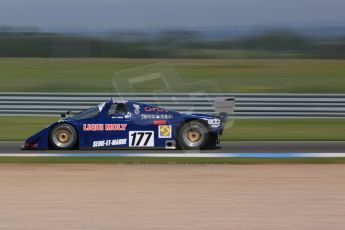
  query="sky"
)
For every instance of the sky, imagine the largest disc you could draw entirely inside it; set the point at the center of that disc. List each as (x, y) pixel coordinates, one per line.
(146, 14)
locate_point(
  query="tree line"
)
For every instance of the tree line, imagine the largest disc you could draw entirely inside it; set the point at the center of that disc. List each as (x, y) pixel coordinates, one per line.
(170, 44)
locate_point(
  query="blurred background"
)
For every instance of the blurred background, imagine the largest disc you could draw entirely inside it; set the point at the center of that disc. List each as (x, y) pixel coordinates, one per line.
(53, 51)
(245, 46)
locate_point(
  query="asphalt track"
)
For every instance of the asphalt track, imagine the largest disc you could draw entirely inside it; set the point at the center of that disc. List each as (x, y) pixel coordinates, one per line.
(13, 147)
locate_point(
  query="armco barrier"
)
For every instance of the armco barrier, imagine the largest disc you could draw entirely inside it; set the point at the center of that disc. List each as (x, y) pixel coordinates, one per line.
(271, 105)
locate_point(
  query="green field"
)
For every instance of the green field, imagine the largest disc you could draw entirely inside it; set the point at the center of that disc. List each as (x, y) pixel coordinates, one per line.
(18, 128)
(242, 75)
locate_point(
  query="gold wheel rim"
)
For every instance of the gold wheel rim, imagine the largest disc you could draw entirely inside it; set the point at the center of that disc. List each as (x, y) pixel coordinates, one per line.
(193, 136)
(63, 136)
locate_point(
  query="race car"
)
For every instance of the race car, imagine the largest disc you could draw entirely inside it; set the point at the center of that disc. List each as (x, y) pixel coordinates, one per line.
(129, 124)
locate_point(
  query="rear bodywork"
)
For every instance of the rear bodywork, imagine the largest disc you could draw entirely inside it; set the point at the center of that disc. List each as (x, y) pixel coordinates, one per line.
(141, 126)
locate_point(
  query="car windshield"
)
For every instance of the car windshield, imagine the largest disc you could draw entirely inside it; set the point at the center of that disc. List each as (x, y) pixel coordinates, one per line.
(89, 113)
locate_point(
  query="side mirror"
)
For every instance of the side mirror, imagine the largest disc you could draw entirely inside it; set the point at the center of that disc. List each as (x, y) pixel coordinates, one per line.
(64, 115)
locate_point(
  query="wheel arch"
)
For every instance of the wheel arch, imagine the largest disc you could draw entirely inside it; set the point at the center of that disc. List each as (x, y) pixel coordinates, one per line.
(189, 120)
(77, 144)
(204, 122)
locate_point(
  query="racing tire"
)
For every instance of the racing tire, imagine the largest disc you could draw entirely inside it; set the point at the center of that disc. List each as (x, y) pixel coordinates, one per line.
(193, 135)
(63, 136)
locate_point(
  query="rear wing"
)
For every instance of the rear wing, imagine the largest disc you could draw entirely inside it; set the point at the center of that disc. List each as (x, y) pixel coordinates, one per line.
(224, 106)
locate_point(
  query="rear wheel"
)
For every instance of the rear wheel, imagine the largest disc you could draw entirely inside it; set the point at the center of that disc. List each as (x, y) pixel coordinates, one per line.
(193, 135)
(63, 136)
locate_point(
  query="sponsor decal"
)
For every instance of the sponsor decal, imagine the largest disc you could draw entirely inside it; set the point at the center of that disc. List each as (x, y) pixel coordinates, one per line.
(156, 116)
(160, 122)
(27, 145)
(115, 127)
(214, 123)
(118, 117)
(93, 127)
(106, 127)
(164, 131)
(155, 109)
(136, 108)
(141, 139)
(119, 141)
(128, 116)
(106, 143)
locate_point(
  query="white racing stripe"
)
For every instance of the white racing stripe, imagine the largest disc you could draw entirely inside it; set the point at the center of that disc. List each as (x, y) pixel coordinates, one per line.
(183, 155)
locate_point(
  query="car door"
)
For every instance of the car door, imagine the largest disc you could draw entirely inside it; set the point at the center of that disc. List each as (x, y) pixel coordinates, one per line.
(116, 123)
(141, 134)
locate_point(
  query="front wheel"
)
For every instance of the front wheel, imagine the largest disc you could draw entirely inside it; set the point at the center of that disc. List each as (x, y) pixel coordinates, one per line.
(192, 135)
(63, 136)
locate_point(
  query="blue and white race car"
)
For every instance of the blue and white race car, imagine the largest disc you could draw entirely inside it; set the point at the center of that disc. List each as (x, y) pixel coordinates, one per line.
(128, 124)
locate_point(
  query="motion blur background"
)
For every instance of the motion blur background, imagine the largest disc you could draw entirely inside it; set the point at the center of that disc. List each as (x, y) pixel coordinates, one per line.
(246, 46)
(243, 46)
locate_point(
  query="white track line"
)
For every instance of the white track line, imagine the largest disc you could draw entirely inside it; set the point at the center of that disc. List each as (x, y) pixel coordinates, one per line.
(183, 155)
